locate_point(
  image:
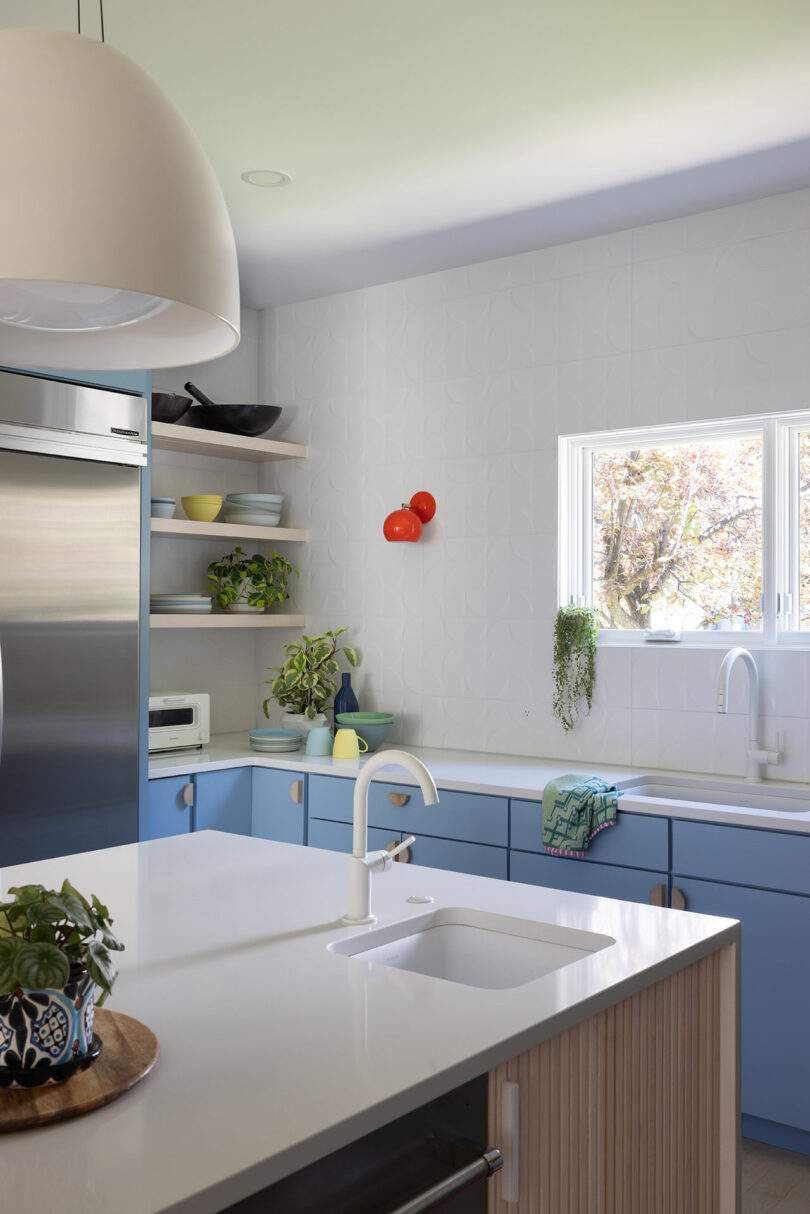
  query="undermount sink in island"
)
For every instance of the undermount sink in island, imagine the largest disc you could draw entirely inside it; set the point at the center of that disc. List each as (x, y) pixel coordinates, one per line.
(283, 1038)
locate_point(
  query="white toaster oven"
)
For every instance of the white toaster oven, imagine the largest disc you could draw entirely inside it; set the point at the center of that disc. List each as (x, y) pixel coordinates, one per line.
(179, 720)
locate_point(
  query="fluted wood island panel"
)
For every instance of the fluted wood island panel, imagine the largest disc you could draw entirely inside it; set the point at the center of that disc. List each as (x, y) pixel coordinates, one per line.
(634, 1111)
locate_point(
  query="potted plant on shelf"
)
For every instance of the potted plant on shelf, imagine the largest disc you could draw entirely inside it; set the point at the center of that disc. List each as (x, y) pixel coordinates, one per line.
(250, 583)
(54, 957)
(306, 682)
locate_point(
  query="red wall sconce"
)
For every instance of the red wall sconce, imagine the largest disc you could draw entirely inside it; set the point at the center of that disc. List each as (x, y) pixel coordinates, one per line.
(406, 523)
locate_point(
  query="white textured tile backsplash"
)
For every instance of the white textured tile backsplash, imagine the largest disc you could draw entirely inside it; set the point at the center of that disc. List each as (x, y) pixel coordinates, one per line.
(460, 383)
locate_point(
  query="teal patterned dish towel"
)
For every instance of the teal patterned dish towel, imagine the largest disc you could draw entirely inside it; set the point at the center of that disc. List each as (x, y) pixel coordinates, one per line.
(575, 808)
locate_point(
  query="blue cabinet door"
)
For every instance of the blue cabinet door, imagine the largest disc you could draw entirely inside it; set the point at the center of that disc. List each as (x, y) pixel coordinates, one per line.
(166, 812)
(223, 800)
(278, 805)
(337, 836)
(604, 880)
(457, 857)
(775, 994)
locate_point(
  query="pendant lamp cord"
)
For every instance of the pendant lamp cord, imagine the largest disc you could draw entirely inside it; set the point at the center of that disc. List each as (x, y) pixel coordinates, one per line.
(79, 16)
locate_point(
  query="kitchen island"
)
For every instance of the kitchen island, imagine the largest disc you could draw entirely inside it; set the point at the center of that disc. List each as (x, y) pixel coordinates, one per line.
(276, 1051)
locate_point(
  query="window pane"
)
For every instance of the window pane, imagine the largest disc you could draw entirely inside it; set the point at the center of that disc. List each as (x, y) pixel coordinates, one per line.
(804, 530)
(677, 536)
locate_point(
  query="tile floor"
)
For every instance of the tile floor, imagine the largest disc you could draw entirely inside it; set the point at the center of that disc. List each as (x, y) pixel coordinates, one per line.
(774, 1181)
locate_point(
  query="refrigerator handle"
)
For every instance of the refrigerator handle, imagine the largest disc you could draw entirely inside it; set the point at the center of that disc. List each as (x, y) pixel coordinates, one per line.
(2, 704)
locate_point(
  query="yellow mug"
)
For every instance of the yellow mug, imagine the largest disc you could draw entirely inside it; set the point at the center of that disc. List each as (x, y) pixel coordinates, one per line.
(347, 745)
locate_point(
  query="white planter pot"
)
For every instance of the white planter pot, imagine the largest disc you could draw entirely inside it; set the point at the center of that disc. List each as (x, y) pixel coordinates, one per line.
(297, 720)
(241, 603)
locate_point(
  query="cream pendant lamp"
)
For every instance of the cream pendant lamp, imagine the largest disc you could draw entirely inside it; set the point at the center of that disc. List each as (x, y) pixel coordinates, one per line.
(116, 248)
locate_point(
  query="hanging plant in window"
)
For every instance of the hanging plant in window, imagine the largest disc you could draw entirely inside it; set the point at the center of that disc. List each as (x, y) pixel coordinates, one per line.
(574, 663)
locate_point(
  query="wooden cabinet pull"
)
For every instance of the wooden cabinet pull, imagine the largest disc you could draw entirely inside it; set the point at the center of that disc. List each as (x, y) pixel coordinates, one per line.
(399, 798)
(678, 899)
(658, 895)
(188, 794)
(297, 791)
(404, 856)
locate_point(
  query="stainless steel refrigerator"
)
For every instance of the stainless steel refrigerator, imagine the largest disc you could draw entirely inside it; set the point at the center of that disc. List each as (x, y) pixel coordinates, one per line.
(70, 504)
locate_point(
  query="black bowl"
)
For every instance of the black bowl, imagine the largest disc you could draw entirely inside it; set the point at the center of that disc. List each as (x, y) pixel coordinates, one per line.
(248, 420)
(169, 406)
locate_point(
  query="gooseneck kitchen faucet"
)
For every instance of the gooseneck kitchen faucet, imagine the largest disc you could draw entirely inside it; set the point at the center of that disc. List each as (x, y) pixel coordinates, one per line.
(362, 862)
(755, 753)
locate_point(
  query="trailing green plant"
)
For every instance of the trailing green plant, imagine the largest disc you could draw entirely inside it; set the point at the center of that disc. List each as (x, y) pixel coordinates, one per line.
(574, 663)
(306, 680)
(260, 579)
(46, 933)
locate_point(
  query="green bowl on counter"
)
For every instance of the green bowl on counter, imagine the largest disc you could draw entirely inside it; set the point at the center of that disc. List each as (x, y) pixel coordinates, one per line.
(372, 727)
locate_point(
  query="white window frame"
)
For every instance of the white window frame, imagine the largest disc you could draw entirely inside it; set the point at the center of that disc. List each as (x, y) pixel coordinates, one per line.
(780, 518)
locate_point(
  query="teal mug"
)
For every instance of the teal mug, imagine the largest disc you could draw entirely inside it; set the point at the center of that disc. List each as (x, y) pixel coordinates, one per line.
(319, 740)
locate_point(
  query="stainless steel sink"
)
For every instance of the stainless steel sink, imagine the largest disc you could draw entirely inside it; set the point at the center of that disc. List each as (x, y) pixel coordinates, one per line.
(729, 793)
(473, 947)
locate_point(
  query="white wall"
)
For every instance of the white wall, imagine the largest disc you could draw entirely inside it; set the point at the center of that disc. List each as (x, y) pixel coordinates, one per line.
(459, 383)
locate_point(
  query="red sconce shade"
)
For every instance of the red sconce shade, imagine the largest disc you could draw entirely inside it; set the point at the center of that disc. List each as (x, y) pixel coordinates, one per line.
(405, 524)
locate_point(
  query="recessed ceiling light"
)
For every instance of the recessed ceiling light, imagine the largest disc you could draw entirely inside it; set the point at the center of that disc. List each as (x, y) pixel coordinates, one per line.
(268, 178)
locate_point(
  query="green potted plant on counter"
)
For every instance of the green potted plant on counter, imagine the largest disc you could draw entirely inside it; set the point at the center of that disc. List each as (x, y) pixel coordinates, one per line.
(306, 682)
(54, 957)
(574, 664)
(250, 583)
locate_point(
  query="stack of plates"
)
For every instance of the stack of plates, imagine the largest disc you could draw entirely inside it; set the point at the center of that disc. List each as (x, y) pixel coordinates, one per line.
(254, 509)
(271, 741)
(180, 604)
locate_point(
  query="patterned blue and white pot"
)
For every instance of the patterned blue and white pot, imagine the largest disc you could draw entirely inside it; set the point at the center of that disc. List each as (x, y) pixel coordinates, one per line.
(46, 1036)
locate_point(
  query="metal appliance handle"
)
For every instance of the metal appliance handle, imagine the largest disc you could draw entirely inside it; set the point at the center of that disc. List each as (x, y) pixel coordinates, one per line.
(2, 703)
(480, 1169)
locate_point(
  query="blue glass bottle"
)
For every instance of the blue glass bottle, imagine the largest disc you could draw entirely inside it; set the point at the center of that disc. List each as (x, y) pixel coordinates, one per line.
(346, 700)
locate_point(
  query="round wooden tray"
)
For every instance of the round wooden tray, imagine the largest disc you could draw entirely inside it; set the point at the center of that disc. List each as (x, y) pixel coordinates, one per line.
(130, 1051)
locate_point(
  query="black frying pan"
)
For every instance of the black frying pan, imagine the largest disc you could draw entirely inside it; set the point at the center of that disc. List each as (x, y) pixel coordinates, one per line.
(247, 420)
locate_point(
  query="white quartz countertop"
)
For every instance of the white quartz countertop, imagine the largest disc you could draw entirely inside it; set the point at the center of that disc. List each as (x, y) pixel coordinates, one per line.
(275, 1051)
(505, 776)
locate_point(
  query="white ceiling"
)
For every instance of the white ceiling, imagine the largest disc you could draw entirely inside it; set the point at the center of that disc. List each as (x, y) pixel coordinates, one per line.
(421, 134)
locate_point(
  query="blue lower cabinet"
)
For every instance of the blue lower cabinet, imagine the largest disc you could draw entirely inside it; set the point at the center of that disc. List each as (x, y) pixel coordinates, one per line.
(167, 812)
(458, 857)
(337, 836)
(604, 880)
(775, 996)
(223, 800)
(279, 810)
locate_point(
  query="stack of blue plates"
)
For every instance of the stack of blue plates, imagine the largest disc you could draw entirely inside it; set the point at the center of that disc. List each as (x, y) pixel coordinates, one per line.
(254, 509)
(271, 741)
(180, 604)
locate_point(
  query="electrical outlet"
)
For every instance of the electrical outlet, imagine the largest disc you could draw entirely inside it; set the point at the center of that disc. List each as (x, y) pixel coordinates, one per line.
(526, 711)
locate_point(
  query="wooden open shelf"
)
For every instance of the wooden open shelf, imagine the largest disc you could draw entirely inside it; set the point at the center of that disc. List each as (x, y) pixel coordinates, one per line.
(226, 446)
(227, 621)
(186, 529)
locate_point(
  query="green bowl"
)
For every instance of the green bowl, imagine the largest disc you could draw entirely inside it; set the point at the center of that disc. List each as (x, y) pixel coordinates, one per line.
(372, 727)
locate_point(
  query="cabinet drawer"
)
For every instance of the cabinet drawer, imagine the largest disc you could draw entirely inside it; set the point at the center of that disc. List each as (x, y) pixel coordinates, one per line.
(472, 817)
(604, 880)
(456, 857)
(766, 858)
(636, 841)
(337, 836)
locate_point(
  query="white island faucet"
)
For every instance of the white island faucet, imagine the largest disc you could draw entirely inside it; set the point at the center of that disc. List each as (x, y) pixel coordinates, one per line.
(755, 752)
(361, 861)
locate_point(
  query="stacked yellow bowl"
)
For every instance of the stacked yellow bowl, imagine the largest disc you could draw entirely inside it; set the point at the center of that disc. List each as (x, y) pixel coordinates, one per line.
(202, 507)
